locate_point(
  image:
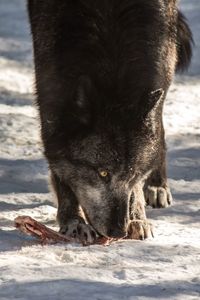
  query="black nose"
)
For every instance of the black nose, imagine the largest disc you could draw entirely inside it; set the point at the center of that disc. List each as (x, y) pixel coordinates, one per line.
(116, 233)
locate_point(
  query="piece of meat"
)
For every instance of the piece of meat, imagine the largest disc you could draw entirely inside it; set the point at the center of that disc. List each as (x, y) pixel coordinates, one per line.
(46, 235)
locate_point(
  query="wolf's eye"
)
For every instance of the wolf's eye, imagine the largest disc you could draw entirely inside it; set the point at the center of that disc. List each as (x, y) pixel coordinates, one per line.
(103, 173)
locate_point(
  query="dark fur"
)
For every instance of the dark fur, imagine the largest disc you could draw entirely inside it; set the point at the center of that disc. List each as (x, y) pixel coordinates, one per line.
(103, 68)
(184, 43)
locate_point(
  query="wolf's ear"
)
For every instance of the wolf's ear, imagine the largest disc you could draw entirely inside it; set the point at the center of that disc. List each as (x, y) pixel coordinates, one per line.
(155, 97)
(184, 43)
(81, 100)
(153, 109)
(153, 100)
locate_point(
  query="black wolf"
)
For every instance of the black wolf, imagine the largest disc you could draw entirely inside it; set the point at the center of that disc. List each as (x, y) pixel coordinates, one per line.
(103, 69)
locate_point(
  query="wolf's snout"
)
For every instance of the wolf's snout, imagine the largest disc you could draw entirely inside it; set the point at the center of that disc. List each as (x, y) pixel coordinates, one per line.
(118, 227)
(117, 224)
(117, 233)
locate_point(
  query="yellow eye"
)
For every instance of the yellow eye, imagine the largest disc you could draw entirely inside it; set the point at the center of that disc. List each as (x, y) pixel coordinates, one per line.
(103, 173)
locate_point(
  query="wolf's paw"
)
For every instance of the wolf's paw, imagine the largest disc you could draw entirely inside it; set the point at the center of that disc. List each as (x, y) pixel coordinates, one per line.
(158, 197)
(80, 231)
(140, 230)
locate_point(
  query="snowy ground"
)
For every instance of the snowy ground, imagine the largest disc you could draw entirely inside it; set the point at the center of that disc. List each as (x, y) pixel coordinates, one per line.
(167, 267)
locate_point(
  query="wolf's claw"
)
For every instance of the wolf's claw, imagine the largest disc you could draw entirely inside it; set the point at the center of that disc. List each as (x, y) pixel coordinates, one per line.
(158, 197)
(80, 231)
(140, 230)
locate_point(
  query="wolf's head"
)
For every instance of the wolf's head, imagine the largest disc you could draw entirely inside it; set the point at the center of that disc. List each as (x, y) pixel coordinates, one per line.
(110, 150)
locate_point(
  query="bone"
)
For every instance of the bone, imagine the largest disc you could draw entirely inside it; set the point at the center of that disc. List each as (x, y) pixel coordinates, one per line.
(45, 235)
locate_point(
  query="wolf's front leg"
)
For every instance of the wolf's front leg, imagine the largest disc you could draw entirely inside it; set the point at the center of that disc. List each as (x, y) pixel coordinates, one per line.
(69, 215)
(139, 228)
(156, 190)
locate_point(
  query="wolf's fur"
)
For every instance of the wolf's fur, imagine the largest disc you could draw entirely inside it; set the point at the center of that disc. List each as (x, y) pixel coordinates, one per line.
(103, 68)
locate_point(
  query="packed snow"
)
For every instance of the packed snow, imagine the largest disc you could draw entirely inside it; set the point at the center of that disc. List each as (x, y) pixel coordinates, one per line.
(166, 267)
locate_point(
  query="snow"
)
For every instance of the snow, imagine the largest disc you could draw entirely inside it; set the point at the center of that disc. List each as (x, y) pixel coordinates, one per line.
(166, 267)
